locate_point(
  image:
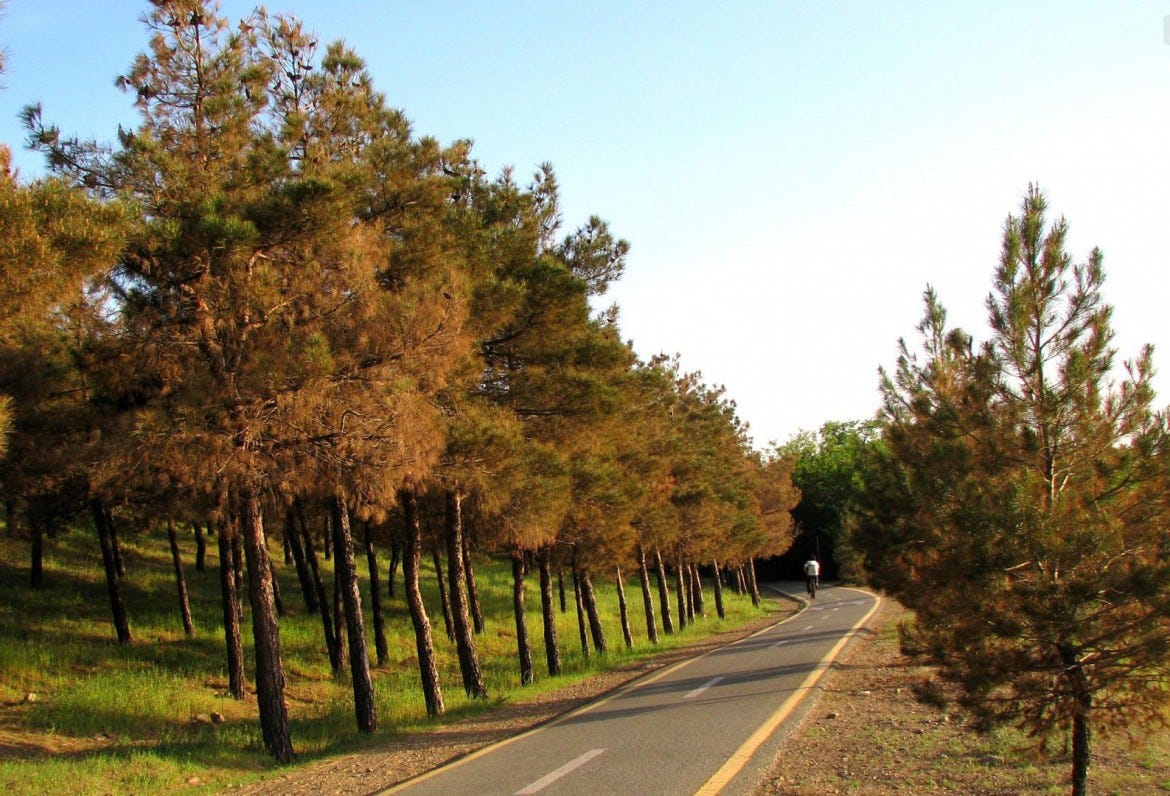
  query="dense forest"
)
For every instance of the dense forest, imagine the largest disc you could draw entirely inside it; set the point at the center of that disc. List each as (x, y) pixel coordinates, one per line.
(272, 314)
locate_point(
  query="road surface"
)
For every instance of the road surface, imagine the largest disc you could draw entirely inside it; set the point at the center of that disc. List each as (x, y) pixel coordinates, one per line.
(701, 726)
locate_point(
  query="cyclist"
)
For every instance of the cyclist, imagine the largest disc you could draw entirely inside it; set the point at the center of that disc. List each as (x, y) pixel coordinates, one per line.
(812, 576)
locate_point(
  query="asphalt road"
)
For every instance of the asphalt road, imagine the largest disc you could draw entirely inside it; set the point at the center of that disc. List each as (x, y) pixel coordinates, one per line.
(707, 725)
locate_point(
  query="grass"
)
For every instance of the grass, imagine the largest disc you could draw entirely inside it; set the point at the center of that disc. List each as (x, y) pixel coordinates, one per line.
(104, 718)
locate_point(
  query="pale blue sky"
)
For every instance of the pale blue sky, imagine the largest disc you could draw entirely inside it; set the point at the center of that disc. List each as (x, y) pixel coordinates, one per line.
(790, 175)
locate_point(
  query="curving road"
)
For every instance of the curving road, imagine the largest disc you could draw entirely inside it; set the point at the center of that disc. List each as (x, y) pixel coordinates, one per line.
(707, 725)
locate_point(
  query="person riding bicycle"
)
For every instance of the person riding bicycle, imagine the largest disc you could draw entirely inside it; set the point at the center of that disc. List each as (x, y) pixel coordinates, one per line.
(812, 575)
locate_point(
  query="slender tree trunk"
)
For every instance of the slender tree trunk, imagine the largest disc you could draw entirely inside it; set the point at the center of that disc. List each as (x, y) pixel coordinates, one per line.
(561, 588)
(663, 593)
(381, 647)
(595, 630)
(697, 591)
(230, 600)
(523, 648)
(1082, 709)
(238, 566)
(36, 565)
(304, 577)
(472, 588)
(115, 542)
(751, 581)
(277, 600)
(200, 546)
(581, 629)
(180, 581)
(345, 565)
(331, 645)
(623, 609)
(444, 597)
(117, 608)
(395, 560)
(680, 594)
(464, 637)
(265, 632)
(552, 651)
(411, 563)
(740, 583)
(718, 585)
(288, 554)
(339, 625)
(647, 598)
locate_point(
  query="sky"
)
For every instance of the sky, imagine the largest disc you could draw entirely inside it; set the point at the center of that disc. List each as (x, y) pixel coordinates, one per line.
(791, 176)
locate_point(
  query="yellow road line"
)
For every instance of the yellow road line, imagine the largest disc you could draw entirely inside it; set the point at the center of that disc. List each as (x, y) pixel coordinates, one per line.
(740, 757)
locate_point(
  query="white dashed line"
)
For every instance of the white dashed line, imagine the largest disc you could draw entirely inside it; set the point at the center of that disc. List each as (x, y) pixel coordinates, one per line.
(703, 687)
(548, 779)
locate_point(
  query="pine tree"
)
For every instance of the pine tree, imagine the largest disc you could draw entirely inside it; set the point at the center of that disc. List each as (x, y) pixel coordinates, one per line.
(1031, 534)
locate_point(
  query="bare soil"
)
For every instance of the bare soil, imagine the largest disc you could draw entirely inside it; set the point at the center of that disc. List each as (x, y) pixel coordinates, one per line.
(869, 734)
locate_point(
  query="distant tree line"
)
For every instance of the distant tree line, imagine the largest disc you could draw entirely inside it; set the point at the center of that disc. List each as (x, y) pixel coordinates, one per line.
(271, 310)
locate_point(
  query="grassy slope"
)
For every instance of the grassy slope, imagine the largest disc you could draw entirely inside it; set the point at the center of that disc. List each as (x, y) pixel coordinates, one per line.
(105, 718)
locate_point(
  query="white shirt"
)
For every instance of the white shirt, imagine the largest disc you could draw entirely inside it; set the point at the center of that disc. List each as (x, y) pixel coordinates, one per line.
(812, 567)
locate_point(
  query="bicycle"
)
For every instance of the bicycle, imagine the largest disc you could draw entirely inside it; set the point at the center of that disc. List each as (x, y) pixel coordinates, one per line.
(811, 585)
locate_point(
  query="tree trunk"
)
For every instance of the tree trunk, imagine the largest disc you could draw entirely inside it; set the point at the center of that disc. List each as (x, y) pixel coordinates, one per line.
(200, 546)
(36, 564)
(580, 615)
(117, 608)
(339, 624)
(288, 554)
(663, 593)
(265, 632)
(331, 645)
(680, 594)
(753, 586)
(238, 566)
(561, 588)
(277, 600)
(552, 651)
(180, 581)
(718, 585)
(523, 648)
(740, 583)
(304, 577)
(444, 598)
(230, 600)
(647, 598)
(472, 588)
(1082, 708)
(395, 560)
(345, 566)
(623, 609)
(411, 563)
(380, 645)
(697, 591)
(456, 575)
(590, 597)
(115, 542)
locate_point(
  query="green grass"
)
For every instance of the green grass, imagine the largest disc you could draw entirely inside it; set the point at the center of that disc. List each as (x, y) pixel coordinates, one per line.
(108, 718)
